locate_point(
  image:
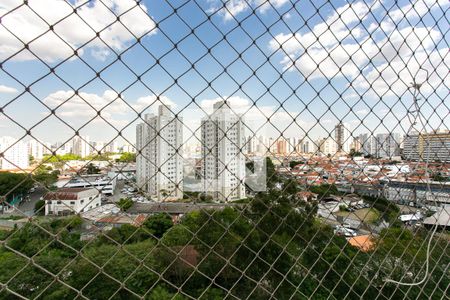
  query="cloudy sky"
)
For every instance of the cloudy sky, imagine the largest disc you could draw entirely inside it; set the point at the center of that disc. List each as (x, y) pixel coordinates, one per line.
(295, 67)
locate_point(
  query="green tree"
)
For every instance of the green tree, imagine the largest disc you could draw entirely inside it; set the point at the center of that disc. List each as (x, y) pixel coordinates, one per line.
(354, 153)
(294, 163)
(39, 207)
(59, 158)
(439, 177)
(14, 184)
(92, 169)
(125, 203)
(271, 174)
(158, 224)
(46, 176)
(127, 157)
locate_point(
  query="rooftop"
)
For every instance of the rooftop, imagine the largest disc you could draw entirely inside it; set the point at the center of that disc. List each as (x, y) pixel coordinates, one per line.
(66, 194)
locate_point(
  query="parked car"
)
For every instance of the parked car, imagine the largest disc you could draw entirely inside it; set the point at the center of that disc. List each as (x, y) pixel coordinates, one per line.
(344, 231)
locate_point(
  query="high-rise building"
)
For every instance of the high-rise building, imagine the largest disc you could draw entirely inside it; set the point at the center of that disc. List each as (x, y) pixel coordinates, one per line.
(387, 145)
(307, 145)
(15, 154)
(99, 146)
(262, 147)
(368, 144)
(81, 146)
(293, 145)
(223, 158)
(112, 147)
(328, 146)
(62, 149)
(342, 137)
(35, 149)
(434, 146)
(252, 144)
(128, 148)
(159, 163)
(281, 146)
(272, 146)
(356, 144)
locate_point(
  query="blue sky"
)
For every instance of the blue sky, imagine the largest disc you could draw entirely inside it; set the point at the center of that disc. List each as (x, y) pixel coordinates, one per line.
(328, 61)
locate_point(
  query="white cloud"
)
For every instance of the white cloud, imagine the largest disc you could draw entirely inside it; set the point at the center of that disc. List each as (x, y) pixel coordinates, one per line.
(396, 76)
(255, 117)
(7, 89)
(416, 10)
(325, 51)
(151, 103)
(237, 104)
(85, 106)
(81, 108)
(362, 112)
(70, 30)
(234, 7)
(388, 63)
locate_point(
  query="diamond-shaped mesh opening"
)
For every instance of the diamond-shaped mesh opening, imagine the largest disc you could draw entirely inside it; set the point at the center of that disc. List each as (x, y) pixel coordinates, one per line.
(240, 149)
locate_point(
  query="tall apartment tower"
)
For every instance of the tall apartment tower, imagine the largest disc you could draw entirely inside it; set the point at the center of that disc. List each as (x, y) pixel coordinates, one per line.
(368, 144)
(15, 154)
(159, 163)
(328, 146)
(387, 145)
(343, 137)
(81, 146)
(36, 149)
(223, 159)
(252, 143)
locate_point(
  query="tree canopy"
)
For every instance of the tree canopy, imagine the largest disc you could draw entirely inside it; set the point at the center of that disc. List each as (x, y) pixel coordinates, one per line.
(273, 247)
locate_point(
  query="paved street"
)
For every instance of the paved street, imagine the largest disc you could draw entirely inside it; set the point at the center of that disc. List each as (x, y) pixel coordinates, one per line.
(27, 207)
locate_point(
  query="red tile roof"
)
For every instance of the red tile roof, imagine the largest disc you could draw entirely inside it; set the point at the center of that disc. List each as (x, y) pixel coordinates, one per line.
(65, 194)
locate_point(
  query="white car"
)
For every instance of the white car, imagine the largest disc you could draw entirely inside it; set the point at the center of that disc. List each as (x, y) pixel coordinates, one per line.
(347, 232)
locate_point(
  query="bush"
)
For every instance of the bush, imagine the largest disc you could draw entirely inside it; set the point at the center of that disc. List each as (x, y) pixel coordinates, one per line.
(125, 203)
(39, 207)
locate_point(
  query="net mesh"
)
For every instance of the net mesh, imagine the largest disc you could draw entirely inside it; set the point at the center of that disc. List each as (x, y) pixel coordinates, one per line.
(240, 149)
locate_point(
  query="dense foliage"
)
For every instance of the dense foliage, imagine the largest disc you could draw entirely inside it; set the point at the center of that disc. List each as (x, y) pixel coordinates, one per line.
(125, 203)
(90, 168)
(127, 157)
(46, 176)
(271, 248)
(12, 184)
(59, 158)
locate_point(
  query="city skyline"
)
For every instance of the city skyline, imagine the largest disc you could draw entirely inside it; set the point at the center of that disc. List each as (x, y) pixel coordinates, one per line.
(382, 145)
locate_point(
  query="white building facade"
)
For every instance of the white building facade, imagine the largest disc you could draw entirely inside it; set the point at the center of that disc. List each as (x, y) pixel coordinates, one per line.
(387, 145)
(36, 149)
(15, 154)
(67, 201)
(80, 146)
(328, 146)
(159, 161)
(368, 144)
(434, 146)
(223, 156)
